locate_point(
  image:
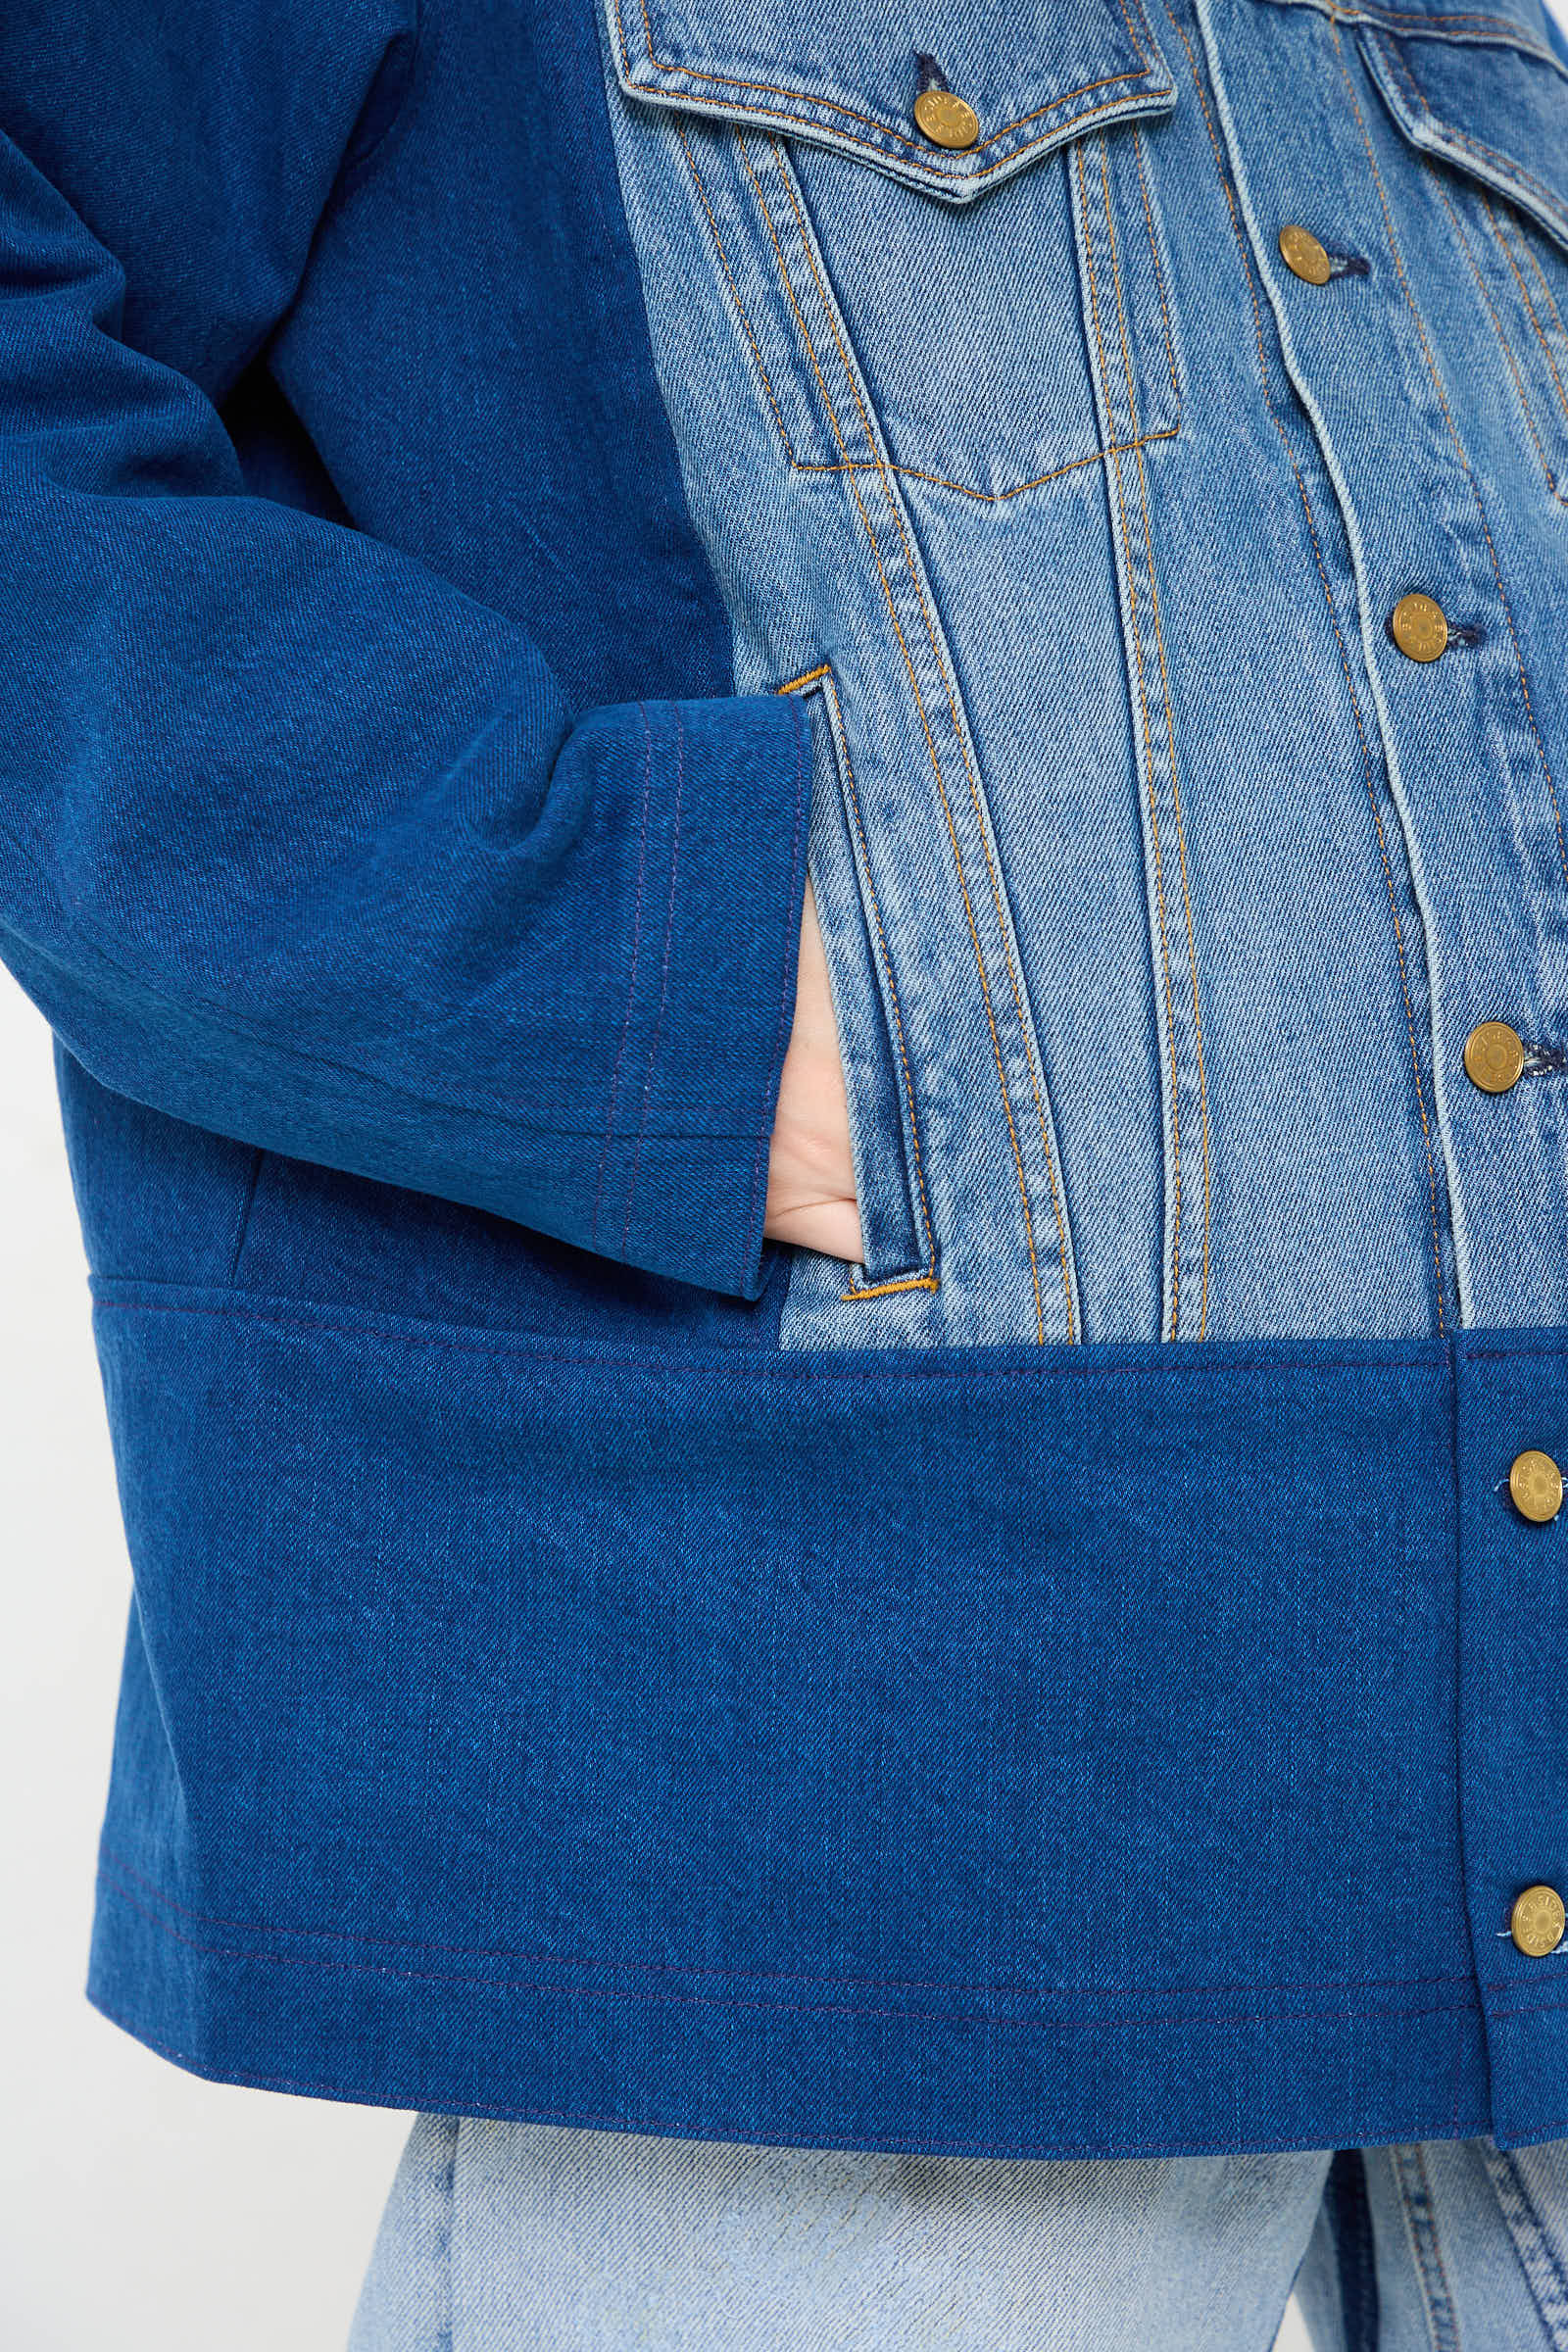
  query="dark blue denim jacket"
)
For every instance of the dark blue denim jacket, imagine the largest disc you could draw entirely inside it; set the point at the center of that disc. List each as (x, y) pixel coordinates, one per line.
(490, 497)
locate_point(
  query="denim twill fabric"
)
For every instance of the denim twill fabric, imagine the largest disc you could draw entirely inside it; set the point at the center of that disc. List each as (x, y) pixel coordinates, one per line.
(516, 2237)
(489, 495)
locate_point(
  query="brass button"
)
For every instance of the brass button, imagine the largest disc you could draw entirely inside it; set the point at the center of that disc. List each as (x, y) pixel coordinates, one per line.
(1494, 1056)
(1536, 1922)
(1420, 627)
(1535, 1484)
(1301, 250)
(946, 120)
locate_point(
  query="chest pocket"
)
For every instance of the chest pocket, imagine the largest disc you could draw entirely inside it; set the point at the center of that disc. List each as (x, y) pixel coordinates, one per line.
(968, 281)
(1488, 106)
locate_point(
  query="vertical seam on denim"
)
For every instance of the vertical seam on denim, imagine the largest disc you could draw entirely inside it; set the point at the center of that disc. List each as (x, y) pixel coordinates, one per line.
(1148, 755)
(764, 1135)
(831, 686)
(969, 774)
(664, 976)
(740, 307)
(1345, 658)
(1170, 735)
(1453, 432)
(1504, 345)
(1544, 2274)
(1530, 308)
(242, 1223)
(1159, 274)
(632, 981)
(936, 765)
(1540, 280)
(1421, 2231)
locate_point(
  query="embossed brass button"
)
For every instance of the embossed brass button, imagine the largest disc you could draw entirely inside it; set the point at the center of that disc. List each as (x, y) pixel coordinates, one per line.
(1301, 250)
(1419, 627)
(1536, 1922)
(946, 120)
(1535, 1484)
(1494, 1056)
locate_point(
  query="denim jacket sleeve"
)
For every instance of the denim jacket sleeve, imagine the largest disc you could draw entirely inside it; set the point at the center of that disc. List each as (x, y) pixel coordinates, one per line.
(299, 841)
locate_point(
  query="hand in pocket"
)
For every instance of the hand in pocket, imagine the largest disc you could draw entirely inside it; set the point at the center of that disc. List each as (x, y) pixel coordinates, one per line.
(810, 1170)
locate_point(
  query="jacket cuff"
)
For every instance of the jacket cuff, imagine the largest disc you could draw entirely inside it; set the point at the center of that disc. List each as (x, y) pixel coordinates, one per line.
(712, 884)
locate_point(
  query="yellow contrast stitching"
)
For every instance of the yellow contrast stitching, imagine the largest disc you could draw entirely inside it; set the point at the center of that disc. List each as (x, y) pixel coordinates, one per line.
(729, 276)
(1454, 434)
(916, 473)
(994, 498)
(1175, 781)
(872, 121)
(824, 670)
(1159, 281)
(885, 1289)
(1512, 34)
(1148, 755)
(936, 765)
(1345, 658)
(1508, 254)
(1504, 345)
(1449, 131)
(1540, 280)
(974, 795)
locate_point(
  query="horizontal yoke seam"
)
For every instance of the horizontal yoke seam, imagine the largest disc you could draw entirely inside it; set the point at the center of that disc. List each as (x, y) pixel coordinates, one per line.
(123, 1870)
(988, 498)
(1408, 24)
(770, 1365)
(1090, 2017)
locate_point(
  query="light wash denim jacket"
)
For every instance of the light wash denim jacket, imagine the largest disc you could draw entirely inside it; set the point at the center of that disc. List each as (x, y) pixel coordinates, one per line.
(491, 495)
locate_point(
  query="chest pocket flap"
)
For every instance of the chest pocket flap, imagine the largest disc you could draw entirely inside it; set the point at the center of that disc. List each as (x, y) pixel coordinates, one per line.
(1484, 101)
(1035, 73)
(1485, 94)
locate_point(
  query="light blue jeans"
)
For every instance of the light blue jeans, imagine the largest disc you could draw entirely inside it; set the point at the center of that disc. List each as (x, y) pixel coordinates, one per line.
(526, 2237)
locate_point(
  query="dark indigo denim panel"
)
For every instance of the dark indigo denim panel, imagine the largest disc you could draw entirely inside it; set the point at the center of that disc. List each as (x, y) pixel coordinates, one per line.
(904, 1853)
(305, 844)
(1513, 1592)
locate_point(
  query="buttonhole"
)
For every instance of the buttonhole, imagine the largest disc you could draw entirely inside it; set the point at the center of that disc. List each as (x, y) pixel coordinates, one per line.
(931, 75)
(1348, 265)
(1542, 1059)
(1460, 632)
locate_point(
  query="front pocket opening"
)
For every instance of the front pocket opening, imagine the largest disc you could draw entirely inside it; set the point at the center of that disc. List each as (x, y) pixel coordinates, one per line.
(885, 1139)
